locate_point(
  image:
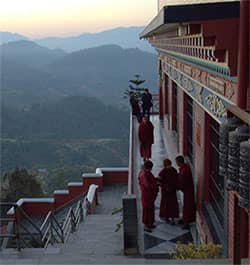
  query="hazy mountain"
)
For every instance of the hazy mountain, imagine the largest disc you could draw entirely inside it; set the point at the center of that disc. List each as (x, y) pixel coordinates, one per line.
(30, 53)
(102, 72)
(9, 37)
(71, 135)
(72, 117)
(124, 37)
(23, 85)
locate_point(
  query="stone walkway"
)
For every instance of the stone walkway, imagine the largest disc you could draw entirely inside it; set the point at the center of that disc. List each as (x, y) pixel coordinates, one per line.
(165, 236)
(94, 243)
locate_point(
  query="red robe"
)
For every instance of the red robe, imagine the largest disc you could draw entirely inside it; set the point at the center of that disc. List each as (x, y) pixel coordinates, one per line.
(135, 108)
(137, 112)
(146, 138)
(186, 185)
(169, 204)
(149, 190)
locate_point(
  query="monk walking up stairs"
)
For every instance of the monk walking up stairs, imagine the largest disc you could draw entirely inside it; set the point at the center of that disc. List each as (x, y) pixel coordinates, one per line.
(146, 138)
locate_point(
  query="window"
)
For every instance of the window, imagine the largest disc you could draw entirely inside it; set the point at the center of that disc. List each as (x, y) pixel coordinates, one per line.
(216, 183)
(190, 129)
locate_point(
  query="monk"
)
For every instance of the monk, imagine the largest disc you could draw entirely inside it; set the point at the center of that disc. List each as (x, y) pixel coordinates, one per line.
(146, 138)
(168, 179)
(149, 190)
(186, 185)
(135, 106)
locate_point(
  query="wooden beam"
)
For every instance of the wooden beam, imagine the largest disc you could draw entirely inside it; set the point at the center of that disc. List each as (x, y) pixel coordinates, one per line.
(240, 113)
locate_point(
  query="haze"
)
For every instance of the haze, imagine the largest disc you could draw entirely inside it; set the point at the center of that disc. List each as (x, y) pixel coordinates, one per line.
(43, 18)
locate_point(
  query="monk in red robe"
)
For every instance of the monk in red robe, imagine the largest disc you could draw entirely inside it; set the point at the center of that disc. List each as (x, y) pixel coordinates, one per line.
(186, 185)
(135, 106)
(146, 138)
(149, 189)
(168, 179)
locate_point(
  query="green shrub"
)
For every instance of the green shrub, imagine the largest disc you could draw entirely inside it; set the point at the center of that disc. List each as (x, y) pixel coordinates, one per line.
(191, 251)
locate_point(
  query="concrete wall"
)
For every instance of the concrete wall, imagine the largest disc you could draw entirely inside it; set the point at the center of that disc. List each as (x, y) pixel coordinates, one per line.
(102, 177)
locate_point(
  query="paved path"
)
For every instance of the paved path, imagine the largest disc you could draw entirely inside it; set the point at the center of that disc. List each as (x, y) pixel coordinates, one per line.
(94, 243)
(164, 236)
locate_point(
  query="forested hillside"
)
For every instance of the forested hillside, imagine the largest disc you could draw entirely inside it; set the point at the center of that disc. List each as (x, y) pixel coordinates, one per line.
(67, 138)
(64, 113)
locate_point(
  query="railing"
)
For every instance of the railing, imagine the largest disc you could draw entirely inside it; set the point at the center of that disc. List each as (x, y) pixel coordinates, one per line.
(74, 218)
(16, 230)
(51, 231)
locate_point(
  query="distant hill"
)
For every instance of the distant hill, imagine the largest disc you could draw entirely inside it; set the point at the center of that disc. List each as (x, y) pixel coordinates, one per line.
(30, 53)
(124, 37)
(22, 85)
(41, 74)
(69, 118)
(9, 37)
(104, 71)
(67, 137)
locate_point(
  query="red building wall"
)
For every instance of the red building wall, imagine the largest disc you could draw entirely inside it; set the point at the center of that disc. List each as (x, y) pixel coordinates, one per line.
(225, 35)
(37, 209)
(110, 178)
(170, 102)
(165, 95)
(224, 41)
(199, 151)
(180, 119)
(201, 121)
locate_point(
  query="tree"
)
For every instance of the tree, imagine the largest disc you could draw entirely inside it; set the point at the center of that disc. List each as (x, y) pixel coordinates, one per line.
(19, 184)
(135, 86)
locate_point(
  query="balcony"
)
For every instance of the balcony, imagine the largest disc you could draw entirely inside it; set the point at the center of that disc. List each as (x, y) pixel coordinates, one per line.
(164, 237)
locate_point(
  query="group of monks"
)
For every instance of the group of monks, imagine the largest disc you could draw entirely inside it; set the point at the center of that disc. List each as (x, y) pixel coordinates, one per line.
(145, 102)
(169, 181)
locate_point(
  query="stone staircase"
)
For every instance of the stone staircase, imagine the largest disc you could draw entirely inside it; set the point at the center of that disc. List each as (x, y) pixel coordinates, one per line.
(96, 241)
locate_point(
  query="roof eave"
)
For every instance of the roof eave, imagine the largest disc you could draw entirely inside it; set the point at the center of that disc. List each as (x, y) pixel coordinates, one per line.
(170, 15)
(156, 23)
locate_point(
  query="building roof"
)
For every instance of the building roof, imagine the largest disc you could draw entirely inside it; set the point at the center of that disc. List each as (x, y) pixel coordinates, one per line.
(170, 16)
(188, 2)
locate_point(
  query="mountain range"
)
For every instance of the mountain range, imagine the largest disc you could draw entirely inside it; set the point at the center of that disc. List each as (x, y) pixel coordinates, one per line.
(124, 37)
(29, 53)
(34, 74)
(6, 37)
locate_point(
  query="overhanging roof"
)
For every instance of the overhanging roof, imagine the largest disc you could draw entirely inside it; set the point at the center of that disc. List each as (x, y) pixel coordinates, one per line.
(170, 16)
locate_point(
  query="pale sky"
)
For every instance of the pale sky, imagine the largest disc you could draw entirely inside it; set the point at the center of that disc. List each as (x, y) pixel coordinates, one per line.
(42, 18)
